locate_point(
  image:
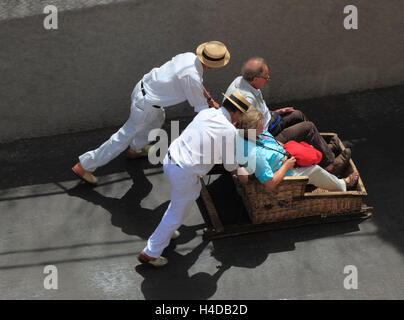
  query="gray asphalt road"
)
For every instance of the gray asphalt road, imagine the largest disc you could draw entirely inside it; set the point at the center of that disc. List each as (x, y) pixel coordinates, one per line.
(92, 235)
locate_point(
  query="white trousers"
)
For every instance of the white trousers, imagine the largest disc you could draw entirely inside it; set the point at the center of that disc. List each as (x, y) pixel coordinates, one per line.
(320, 178)
(134, 133)
(185, 189)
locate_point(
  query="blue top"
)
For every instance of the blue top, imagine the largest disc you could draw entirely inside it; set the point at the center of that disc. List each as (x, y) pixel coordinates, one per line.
(261, 161)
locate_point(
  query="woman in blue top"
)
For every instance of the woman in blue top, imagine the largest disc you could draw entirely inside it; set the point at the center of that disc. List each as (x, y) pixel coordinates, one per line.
(266, 157)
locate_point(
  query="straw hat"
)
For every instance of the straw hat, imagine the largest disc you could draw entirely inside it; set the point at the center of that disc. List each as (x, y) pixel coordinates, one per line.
(238, 100)
(213, 54)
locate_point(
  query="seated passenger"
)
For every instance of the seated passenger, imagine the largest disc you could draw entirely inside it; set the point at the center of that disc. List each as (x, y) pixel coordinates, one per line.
(271, 162)
(286, 124)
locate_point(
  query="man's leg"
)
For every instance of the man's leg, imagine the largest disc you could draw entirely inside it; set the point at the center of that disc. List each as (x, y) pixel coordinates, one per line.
(171, 221)
(155, 121)
(140, 115)
(321, 178)
(292, 118)
(307, 131)
(110, 149)
(185, 190)
(117, 143)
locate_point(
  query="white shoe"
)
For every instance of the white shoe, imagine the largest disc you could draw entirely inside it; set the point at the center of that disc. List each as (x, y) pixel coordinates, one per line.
(159, 262)
(155, 262)
(87, 176)
(175, 235)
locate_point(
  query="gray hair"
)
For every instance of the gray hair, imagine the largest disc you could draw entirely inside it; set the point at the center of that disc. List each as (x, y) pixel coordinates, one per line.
(248, 121)
(249, 72)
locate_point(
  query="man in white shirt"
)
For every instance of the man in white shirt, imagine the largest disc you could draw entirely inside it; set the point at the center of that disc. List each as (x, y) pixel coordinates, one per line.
(286, 123)
(207, 140)
(178, 80)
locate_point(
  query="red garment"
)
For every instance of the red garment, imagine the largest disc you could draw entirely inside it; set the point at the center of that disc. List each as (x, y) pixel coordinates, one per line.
(306, 155)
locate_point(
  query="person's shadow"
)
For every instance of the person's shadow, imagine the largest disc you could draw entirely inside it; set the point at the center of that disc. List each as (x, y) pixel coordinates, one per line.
(175, 283)
(251, 250)
(126, 212)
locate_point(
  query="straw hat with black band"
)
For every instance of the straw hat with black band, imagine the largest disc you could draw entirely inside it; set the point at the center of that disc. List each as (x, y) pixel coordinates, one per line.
(237, 100)
(213, 54)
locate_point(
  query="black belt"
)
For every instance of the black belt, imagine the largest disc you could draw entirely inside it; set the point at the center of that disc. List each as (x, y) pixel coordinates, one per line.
(144, 93)
(172, 160)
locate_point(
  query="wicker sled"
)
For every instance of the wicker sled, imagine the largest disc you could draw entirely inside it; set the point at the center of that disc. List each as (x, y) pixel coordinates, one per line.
(292, 203)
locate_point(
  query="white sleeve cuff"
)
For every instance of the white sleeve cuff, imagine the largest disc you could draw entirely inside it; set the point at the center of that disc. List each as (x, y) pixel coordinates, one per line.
(200, 108)
(230, 167)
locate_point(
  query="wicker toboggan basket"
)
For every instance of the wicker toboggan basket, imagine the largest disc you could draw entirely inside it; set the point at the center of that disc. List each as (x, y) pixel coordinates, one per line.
(293, 199)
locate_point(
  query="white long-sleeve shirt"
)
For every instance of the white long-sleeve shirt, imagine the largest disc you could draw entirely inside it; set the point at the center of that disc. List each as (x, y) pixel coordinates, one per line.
(176, 81)
(208, 140)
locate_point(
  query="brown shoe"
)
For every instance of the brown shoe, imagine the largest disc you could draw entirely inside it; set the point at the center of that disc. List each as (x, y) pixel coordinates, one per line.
(341, 162)
(155, 262)
(132, 154)
(335, 146)
(86, 176)
(352, 180)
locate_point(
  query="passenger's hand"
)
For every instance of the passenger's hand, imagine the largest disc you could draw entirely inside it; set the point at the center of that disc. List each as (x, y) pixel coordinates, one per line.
(290, 163)
(242, 175)
(243, 178)
(285, 110)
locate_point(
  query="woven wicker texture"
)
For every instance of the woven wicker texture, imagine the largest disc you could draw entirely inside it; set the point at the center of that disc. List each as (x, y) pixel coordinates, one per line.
(289, 201)
(293, 198)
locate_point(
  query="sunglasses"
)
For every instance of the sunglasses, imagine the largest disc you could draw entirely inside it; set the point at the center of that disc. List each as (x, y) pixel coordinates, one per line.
(266, 78)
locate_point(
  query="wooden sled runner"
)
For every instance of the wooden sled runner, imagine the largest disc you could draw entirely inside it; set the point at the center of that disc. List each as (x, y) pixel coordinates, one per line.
(293, 203)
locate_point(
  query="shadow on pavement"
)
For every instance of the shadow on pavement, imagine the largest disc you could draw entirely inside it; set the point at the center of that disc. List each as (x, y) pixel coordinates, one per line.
(50, 159)
(126, 212)
(380, 161)
(173, 281)
(251, 250)
(371, 123)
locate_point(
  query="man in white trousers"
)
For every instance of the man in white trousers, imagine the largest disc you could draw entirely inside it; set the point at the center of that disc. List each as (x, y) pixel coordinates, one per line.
(207, 140)
(176, 81)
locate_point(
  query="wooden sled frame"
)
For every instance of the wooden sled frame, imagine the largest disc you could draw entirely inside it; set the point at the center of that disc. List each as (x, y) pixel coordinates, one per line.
(216, 229)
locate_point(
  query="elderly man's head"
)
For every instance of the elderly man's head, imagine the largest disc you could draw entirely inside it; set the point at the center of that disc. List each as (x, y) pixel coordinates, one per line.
(255, 72)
